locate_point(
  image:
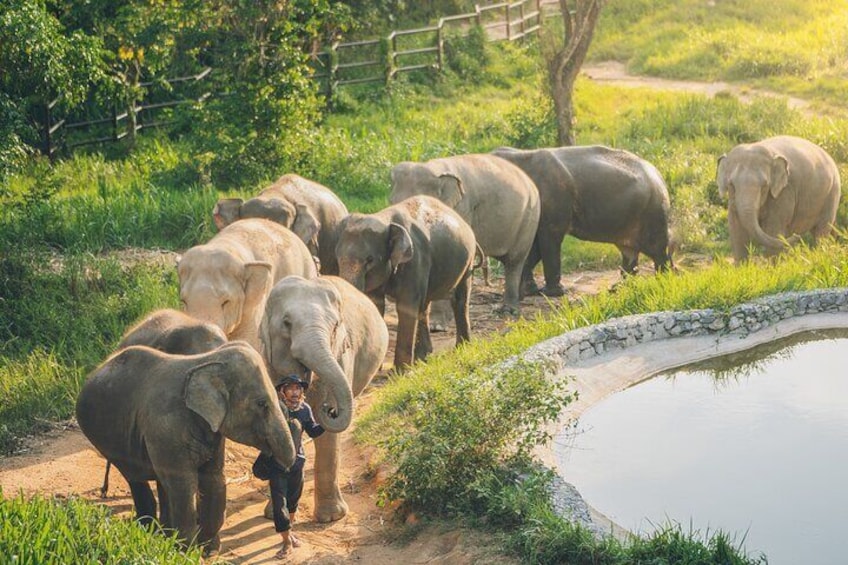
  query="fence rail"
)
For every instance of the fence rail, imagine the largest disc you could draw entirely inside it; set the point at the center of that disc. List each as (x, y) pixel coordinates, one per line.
(340, 64)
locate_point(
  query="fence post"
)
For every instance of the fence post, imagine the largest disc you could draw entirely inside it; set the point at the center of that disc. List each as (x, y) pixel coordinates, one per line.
(392, 56)
(541, 16)
(479, 13)
(332, 71)
(440, 45)
(506, 19)
(47, 141)
(521, 17)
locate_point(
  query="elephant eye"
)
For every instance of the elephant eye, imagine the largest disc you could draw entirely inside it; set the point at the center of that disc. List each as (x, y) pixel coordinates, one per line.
(287, 323)
(262, 403)
(225, 303)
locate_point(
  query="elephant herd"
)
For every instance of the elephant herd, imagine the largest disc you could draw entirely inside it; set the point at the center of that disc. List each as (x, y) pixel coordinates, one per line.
(295, 284)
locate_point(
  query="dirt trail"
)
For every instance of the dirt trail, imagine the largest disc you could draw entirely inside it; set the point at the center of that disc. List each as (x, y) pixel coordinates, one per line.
(615, 73)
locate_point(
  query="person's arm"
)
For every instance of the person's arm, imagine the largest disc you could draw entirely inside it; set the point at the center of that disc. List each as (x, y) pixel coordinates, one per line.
(312, 428)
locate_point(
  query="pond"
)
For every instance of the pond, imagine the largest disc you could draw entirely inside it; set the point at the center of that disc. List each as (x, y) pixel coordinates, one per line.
(754, 444)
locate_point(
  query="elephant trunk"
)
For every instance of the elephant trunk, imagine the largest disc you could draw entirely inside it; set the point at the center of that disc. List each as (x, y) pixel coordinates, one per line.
(282, 445)
(335, 410)
(748, 213)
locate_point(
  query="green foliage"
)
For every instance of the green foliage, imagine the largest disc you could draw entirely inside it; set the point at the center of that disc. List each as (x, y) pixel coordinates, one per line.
(62, 316)
(463, 429)
(467, 55)
(40, 530)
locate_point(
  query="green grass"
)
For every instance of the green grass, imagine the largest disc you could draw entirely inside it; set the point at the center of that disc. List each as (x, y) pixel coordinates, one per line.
(40, 530)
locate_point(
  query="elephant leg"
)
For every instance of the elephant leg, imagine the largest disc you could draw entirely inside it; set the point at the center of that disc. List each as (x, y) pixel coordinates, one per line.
(407, 313)
(329, 503)
(629, 260)
(550, 247)
(459, 303)
(423, 343)
(145, 503)
(739, 239)
(379, 300)
(182, 492)
(512, 285)
(164, 516)
(440, 315)
(528, 281)
(212, 501)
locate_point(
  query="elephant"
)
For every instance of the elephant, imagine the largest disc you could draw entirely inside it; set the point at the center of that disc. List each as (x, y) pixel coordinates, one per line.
(309, 209)
(327, 332)
(594, 193)
(163, 417)
(415, 251)
(777, 189)
(497, 199)
(174, 332)
(227, 280)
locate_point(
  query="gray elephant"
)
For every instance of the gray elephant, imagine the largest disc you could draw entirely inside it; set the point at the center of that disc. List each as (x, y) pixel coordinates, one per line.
(309, 209)
(175, 332)
(170, 331)
(497, 199)
(164, 417)
(594, 193)
(777, 189)
(227, 280)
(326, 330)
(416, 251)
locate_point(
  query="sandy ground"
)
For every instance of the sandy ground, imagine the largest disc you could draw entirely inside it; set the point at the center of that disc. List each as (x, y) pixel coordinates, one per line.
(63, 464)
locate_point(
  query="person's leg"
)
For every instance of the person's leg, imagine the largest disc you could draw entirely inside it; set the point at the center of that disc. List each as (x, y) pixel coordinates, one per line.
(282, 524)
(294, 490)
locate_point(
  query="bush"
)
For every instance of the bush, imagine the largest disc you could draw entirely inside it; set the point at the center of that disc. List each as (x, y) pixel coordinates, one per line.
(468, 428)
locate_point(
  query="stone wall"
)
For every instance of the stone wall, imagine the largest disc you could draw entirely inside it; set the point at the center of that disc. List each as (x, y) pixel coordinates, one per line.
(741, 320)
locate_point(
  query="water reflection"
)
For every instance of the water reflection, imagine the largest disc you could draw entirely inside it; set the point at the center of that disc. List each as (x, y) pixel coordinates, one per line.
(753, 443)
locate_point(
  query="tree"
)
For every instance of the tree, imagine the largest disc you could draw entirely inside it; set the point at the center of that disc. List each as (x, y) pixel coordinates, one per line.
(564, 59)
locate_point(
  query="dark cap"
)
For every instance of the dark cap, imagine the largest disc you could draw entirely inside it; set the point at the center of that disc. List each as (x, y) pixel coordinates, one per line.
(292, 380)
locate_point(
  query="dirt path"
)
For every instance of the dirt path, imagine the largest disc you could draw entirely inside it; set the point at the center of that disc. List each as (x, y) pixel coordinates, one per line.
(613, 72)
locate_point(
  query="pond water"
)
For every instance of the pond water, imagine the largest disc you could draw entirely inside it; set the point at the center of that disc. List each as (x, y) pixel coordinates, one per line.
(753, 444)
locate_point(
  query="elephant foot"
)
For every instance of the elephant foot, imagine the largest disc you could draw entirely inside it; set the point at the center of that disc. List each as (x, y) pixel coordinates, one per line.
(330, 511)
(438, 328)
(529, 288)
(269, 511)
(506, 310)
(212, 547)
(553, 291)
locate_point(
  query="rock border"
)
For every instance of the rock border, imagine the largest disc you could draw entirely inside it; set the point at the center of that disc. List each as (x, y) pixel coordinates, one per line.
(607, 357)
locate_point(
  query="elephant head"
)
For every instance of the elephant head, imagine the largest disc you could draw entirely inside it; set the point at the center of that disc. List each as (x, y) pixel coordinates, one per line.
(303, 332)
(217, 287)
(369, 250)
(231, 390)
(297, 217)
(752, 177)
(411, 179)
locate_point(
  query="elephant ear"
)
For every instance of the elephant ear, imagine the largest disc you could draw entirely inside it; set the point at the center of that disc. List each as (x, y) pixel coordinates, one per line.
(721, 176)
(400, 245)
(227, 211)
(277, 210)
(306, 226)
(451, 190)
(779, 175)
(206, 395)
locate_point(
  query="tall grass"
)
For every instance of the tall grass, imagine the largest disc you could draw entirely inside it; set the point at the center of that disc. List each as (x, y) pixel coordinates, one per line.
(40, 530)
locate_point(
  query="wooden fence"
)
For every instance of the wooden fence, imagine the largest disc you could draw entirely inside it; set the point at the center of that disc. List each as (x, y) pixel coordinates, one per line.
(340, 64)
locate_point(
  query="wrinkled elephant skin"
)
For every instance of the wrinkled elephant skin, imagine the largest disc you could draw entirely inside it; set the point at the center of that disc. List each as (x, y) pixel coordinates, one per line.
(496, 198)
(309, 209)
(327, 330)
(164, 418)
(416, 251)
(777, 189)
(594, 193)
(227, 280)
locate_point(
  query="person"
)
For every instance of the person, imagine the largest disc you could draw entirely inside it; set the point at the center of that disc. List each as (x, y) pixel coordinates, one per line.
(287, 485)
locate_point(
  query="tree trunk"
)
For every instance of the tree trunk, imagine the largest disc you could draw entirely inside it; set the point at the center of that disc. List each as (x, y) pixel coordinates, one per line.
(579, 19)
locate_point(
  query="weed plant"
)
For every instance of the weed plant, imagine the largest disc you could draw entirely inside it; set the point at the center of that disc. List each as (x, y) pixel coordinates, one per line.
(41, 530)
